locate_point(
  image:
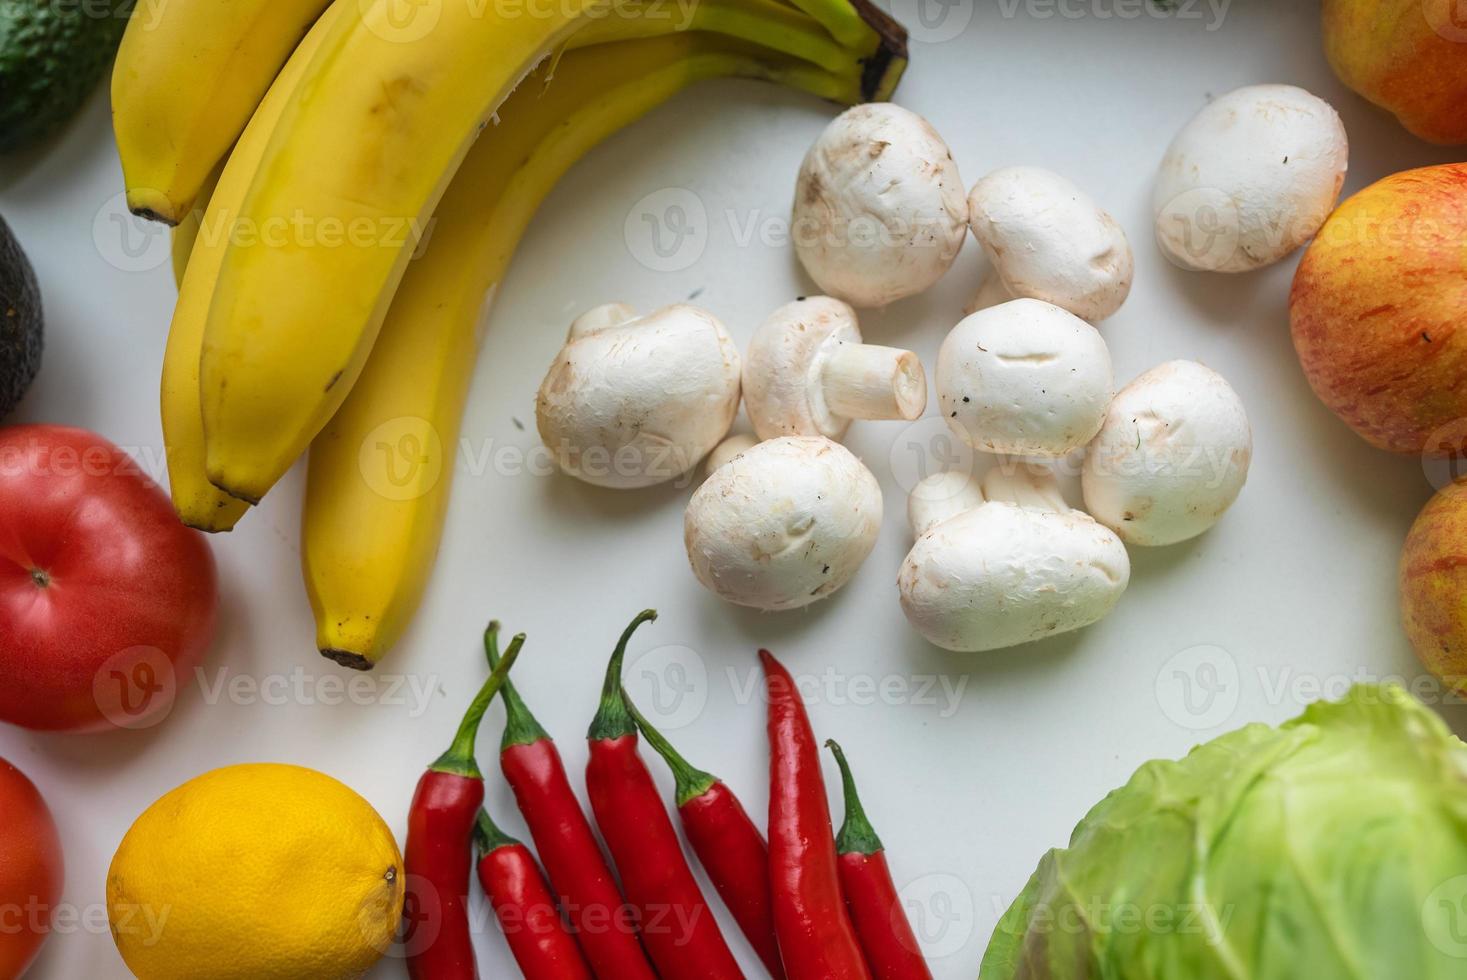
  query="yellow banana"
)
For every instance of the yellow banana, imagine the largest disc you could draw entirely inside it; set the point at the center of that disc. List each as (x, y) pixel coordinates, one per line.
(767, 23)
(379, 473)
(186, 232)
(358, 160)
(357, 163)
(188, 76)
(198, 502)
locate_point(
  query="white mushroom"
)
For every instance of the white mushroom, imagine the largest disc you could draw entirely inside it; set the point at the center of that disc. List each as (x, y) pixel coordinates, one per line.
(783, 524)
(879, 208)
(1048, 240)
(808, 374)
(1249, 179)
(1172, 456)
(1011, 563)
(1024, 378)
(990, 292)
(635, 401)
(726, 450)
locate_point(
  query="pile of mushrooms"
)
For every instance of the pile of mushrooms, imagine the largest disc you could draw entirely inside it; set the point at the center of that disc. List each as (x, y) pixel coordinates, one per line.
(782, 523)
(787, 515)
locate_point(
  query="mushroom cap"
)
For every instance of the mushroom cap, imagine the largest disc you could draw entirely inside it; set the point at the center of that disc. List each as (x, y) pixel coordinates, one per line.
(1249, 179)
(641, 402)
(1172, 456)
(1024, 377)
(1048, 240)
(879, 208)
(782, 391)
(1002, 574)
(783, 524)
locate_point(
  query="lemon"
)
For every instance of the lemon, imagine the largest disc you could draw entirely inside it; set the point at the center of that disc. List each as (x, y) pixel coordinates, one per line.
(255, 872)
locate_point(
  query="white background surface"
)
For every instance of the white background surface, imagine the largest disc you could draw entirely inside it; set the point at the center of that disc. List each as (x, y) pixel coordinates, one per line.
(1293, 593)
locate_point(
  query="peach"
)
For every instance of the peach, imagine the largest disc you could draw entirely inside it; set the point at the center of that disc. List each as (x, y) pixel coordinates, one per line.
(1406, 56)
(1377, 307)
(1433, 582)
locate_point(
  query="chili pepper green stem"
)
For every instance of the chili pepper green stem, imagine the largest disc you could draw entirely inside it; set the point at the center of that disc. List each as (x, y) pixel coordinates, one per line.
(487, 835)
(520, 724)
(612, 718)
(691, 781)
(459, 759)
(856, 834)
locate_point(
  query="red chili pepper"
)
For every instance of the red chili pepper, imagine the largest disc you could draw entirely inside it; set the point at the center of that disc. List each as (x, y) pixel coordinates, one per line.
(439, 855)
(601, 920)
(815, 933)
(539, 940)
(876, 908)
(678, 928)
(732, 849)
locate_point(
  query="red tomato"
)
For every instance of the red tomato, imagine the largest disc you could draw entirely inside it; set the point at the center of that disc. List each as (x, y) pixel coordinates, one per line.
(105, 598)
(30, 871)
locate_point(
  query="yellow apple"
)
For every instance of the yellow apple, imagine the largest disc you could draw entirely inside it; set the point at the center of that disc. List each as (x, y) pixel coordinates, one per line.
(1377, 311)
(1407, 56)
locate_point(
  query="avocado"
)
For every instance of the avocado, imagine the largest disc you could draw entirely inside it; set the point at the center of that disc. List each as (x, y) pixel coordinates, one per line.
(52, 52)
(20, 321)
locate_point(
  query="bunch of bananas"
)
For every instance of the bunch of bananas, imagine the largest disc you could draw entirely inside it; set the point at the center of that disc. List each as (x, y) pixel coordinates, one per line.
(301, 148)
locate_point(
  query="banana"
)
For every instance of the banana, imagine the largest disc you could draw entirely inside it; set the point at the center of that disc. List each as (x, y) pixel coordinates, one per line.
(379, 474)
(186, 232)
(358, 161)
(188, 76)
(198, 502)
(767, 23)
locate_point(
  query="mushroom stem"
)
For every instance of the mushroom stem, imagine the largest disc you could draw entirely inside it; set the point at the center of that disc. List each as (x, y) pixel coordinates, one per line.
(939, 497)
(868, 381)
(1027, 484)
(728, 449)
(599, 318)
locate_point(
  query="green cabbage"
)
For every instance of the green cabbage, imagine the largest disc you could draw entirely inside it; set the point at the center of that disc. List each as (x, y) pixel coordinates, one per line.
(1333, 846)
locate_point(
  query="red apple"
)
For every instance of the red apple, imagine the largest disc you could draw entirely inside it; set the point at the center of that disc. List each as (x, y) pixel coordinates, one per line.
(1407, 56)
(1433, 583)
(1377, 311)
